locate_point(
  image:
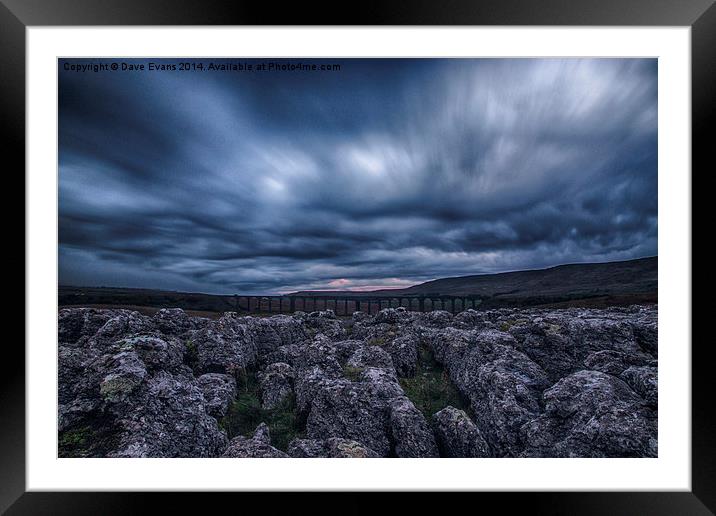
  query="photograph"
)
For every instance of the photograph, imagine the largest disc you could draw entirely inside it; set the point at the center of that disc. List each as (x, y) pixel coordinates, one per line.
(357, 257)
(435, 236)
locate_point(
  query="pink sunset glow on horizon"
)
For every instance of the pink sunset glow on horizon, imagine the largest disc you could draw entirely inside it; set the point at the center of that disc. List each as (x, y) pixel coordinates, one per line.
(348, 285)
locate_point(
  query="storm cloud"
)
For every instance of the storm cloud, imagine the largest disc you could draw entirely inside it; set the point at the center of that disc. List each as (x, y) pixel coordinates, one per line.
(385, 173)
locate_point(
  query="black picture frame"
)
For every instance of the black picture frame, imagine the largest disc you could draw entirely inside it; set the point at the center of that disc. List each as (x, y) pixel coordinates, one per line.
(17, 15)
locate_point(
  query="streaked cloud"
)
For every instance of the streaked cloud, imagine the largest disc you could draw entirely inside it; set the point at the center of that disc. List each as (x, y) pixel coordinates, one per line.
(385, 174)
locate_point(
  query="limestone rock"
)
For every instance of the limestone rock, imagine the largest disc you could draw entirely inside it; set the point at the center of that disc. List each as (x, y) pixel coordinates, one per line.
(219, 391)
(457, 435)
(258, 446)
(345, 409)
(334, 447)
(226, 345)
(410, 431)
(592, 414)
(645, 381)
(404, 355)
(276, 383)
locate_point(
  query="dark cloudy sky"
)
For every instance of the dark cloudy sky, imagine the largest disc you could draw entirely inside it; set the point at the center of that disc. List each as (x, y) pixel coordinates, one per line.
(383, 174)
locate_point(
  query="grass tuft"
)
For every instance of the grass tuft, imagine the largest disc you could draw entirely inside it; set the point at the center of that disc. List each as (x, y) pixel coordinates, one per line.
(75, 442)
(191, 354)
(245, 414)
(430, 389)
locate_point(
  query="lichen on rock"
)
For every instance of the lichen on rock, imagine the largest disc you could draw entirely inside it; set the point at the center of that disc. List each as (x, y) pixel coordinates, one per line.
(509, 382)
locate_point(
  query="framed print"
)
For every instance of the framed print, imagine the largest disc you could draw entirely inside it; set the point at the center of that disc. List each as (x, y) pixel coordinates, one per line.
(416, 250)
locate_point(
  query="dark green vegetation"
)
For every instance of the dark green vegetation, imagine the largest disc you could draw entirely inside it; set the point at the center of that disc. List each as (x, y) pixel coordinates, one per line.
(74, 443)
(84, 440)
(430, 389)
(245, 414)
(191, 354)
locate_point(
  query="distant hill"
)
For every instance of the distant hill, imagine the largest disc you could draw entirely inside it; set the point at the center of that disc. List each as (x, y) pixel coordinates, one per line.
(611, 283)
(584, 284)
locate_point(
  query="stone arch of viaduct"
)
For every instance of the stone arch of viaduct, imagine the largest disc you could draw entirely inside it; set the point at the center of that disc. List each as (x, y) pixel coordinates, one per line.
(346, 305)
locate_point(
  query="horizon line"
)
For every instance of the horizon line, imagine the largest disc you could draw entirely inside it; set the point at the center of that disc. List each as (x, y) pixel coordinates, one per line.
(277, 294)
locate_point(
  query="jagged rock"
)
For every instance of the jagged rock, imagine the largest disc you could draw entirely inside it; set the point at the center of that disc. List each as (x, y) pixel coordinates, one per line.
(300, 316)
(471, 319)
(75, 412)
(370, 356)
(325, 322)
(540, 382)
(264, 335)
(436, 318)
(258, 446)
(392, 315)
(376, 334)
(457, 435)
(320, 351)
(226, 345)
(289, 329)
(130, 393)
(592, 414)
(310, 380)
(166, 417)
(646, 329)
(176, 322)
(601, 333)
(78, 385)
(276, 383)
(345, 348)
(274, 332)
(219, 390)
(76, 325)
(504, 388)
(126, 373)
(503, 384)
(380, 383)
(449, 345)
(317, 363)
(287, 354)
(159, 353)
(645, 381)
(410, 431)
(545, 344)
(81, 370)
(72, 363)
(322, 314)
(404, 354)
(345, 409)
(615, 362)
(334, 447)
(360, 316)
(130, 407)
(357, 410)
(123, 323)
